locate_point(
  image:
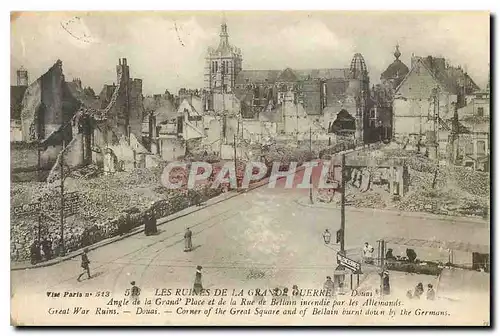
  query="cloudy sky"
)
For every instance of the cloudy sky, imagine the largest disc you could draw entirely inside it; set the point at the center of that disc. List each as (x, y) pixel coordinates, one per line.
(167, 49)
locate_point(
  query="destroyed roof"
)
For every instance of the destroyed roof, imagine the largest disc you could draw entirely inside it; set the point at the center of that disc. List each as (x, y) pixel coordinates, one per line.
(257, 76)
(304, 74)
(289, 74)
(16, 99)
(162, 107)
(396, 70)
(79, 93)
(451, 78)
(272, 115)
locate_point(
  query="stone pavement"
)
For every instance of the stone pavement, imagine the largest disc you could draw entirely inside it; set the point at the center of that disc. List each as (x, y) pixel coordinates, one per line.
(182, 213)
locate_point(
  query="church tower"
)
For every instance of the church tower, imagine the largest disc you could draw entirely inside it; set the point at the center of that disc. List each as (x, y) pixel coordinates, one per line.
(222, 65)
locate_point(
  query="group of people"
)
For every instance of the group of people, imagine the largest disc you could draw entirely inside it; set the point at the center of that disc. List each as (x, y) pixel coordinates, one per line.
(419, 291)
(41, 251)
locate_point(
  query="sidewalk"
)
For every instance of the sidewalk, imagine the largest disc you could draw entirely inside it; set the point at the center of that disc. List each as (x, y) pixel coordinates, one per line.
(306, 203)
(192, 209)
(225, 196)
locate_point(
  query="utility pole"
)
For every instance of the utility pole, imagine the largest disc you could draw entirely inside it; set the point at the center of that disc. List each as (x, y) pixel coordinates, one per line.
(381, 256)
(61, 165)
(39, 163)
(40, 220)
(234, 147)
(342, 207)
(339, 274)
(310, 177)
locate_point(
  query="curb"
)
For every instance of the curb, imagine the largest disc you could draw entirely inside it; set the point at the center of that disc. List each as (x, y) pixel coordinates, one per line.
(400, 213)
(192, 209)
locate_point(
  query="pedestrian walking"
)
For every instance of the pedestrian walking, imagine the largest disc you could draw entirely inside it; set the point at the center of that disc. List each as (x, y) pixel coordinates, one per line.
(134, 291)
(329, 286)
(431, 294)
(419, 290)
(47, 248)
(386, 286)
(150, 222)
(154, 228)
(198, 287)
(85, 264)
(35, 252)
(188, 245)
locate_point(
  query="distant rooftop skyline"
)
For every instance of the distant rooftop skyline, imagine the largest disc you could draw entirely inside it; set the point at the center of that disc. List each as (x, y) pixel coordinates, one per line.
(167, 49)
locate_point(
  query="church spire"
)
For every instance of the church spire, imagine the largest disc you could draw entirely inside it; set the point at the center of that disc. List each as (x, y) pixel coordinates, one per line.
(397, 53)
(224, 36)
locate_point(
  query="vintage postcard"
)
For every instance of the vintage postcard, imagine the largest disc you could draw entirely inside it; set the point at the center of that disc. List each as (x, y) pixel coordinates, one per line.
(249, 168)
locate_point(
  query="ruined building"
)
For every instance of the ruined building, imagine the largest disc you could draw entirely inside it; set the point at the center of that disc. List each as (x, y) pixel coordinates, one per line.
(426, 102)
(121, 103)
(46, 106)
(295, 100)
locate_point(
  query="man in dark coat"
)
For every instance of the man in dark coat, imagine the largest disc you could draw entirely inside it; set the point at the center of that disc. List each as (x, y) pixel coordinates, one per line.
(188, 244)
(386, 286)
(47, 248)
(150, 222)
(198, 287)
(134, 291)
(329, 286)
(147, 222)
(35, 252)
(85, 264)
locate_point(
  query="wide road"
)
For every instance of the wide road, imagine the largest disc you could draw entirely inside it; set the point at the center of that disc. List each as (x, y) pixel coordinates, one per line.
(262, 238)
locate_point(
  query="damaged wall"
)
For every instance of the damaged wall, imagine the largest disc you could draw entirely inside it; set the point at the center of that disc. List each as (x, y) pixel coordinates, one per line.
(47, 104)
(125, 107)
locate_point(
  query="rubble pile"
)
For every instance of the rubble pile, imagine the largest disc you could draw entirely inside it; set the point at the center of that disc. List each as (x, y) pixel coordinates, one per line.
(87, 172)
(474, 182)
(414, 160)
(285, 155)
(445, 202)
(369, 199)
(103, 200)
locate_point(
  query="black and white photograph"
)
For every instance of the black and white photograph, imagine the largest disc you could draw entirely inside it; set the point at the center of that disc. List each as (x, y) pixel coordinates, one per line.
(250, 168)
